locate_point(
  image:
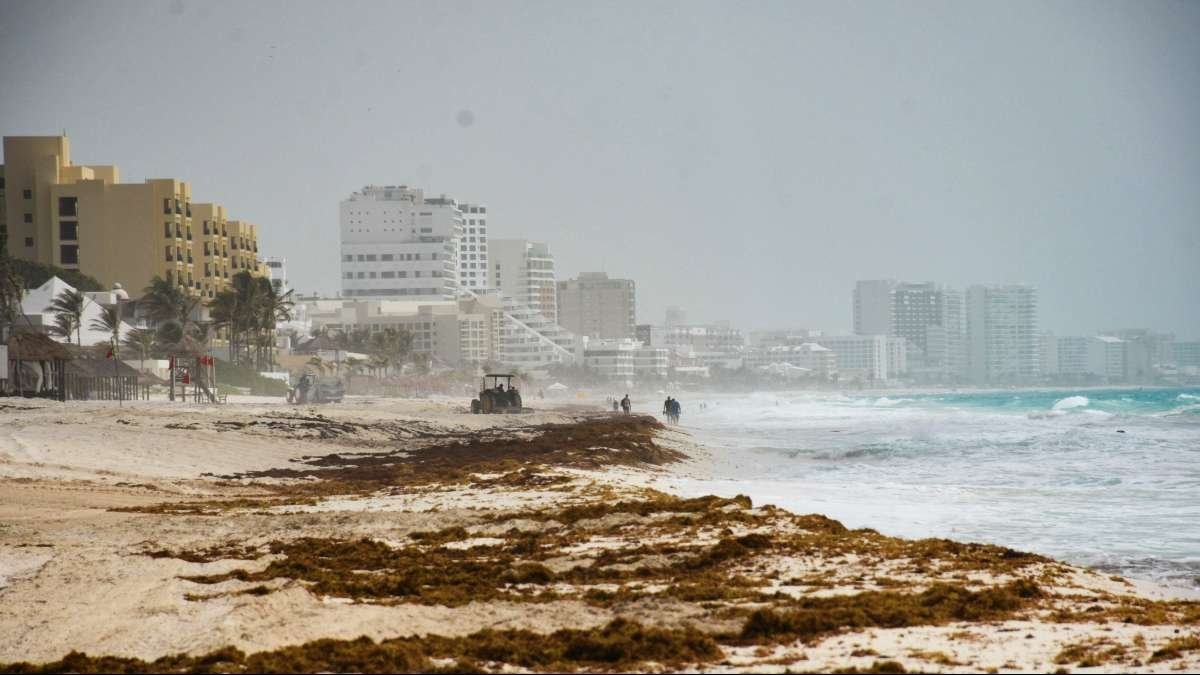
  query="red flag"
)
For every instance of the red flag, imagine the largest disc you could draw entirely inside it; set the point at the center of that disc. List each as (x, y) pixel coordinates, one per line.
(109, 355)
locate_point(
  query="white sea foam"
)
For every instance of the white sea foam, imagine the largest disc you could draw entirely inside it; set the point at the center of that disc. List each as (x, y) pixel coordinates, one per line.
(1044, 472)
(1072, 402)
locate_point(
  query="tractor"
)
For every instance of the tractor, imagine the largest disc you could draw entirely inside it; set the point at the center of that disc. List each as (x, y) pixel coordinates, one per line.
(498, 398)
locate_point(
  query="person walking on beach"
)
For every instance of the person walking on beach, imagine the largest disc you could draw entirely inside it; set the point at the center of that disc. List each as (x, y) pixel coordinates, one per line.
(667, 408)
(614, 402)
(675, 408)
(626, 404)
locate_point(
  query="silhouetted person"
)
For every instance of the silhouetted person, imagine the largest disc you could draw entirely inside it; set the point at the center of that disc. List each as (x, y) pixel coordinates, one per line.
(626, 404)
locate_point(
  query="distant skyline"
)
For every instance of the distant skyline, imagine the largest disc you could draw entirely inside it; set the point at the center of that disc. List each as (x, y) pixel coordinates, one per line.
(744, 161)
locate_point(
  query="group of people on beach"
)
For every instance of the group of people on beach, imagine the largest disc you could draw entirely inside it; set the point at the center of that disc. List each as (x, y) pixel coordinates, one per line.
(624, 404)
(671, 409)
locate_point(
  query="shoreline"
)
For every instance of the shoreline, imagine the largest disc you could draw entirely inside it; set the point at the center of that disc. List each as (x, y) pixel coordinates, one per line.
(114, 542)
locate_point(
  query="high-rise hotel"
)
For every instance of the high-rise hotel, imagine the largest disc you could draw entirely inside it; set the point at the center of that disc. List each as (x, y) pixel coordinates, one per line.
(398, 244)
(81, 217)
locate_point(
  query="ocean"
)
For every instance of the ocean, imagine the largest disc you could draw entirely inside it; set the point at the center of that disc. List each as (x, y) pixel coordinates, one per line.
(1107, 478)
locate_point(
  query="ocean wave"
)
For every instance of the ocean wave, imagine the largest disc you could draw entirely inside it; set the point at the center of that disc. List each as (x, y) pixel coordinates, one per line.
(1187, 397)
(886, 402)
(1071, 402)
(1193, 409)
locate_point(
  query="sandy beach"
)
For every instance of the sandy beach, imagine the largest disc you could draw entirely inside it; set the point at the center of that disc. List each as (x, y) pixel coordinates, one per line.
(262, 535)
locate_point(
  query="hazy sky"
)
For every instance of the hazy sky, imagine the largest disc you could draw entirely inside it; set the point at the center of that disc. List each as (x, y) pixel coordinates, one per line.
(745, 160)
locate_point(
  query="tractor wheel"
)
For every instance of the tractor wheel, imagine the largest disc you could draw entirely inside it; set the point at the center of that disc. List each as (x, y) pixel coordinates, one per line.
(515, 400)
(487, 402)
(476, 407)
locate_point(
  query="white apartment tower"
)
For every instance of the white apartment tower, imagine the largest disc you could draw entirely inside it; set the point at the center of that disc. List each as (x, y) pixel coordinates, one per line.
(524, 271)
(1002, 334)
(396, 244)
(277, 273)
(473, 248)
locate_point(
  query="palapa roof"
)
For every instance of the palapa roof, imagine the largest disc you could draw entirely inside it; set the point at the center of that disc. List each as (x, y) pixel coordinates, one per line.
(101, 368)
(27, 346)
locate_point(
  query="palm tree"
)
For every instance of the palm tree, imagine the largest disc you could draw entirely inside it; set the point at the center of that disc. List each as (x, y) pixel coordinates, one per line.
(64, 326)
(12, 289)
(69, 303)
(171, 309)
(143, 341)
(109, 321)
(391, 346)
(275, 307)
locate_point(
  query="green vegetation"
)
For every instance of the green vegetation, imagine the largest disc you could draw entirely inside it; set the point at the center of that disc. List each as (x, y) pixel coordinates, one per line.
(34, 274)
(248, 311)
(230, 375)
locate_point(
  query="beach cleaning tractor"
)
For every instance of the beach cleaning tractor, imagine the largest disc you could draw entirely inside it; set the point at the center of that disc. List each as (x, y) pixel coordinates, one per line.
(500, 397)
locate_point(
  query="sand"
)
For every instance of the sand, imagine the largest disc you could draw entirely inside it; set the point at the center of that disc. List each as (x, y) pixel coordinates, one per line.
(75, 574)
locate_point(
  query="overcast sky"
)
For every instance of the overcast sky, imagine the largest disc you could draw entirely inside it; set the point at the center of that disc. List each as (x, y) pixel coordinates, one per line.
(745, 160)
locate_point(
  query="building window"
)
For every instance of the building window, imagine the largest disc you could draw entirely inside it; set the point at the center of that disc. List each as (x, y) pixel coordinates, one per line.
(68, 254)
(347, 258)
(433, 256)
(386, 257)
(388, 275)
(67, 206)
(29, 241)
(416, 274)
(361, 257)
(361, 275)
(29, 217)
(370, 257)
(348, 275)
(27, 193)
(68, 230)
(370, 275)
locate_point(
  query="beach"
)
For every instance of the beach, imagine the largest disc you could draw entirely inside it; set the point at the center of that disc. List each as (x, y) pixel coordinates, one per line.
(258, 534)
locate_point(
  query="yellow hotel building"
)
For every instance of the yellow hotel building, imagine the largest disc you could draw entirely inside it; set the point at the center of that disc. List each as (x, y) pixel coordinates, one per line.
(83, 218)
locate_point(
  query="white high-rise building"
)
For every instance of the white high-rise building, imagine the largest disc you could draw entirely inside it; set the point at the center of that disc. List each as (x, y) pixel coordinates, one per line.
(524, 271)
(1002, 334)
(397, 244)
(473, 247)
(277, 273)
(873, 307)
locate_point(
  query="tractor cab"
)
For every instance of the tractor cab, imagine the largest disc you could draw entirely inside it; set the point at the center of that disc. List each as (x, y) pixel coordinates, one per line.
(497, 395)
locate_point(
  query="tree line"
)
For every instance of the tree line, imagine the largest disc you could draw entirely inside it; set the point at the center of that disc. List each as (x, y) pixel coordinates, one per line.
(245, 314)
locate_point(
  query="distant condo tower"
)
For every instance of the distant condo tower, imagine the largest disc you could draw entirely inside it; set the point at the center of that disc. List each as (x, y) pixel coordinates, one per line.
(873, 307)
(598, 307)
(1002, 335)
